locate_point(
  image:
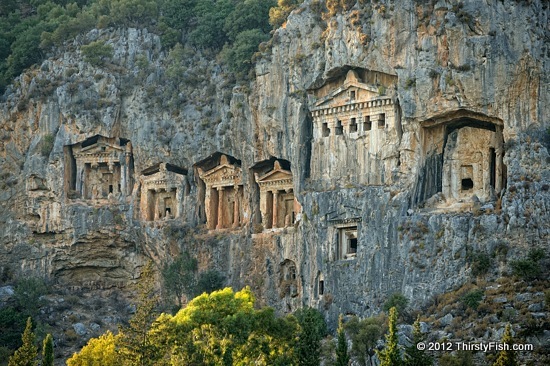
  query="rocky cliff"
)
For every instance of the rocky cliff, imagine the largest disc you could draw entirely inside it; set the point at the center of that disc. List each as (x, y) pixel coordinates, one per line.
(415, 133)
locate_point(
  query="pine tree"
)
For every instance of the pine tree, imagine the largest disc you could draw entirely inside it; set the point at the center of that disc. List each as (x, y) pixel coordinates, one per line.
(136, 347)
(26, 354)
(414, 356)
(342, 357)
(390, 355)
(312, 331)
(47, 351)
(507, 356)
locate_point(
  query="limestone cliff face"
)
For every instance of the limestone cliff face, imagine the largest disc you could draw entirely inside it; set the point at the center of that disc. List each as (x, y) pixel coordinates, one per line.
(441, 152)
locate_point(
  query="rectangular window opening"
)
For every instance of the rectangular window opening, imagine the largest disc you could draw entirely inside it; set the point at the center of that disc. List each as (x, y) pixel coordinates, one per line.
(382, 120)
(367, 125)
(326, 130)
(339, 128)
(353, 125)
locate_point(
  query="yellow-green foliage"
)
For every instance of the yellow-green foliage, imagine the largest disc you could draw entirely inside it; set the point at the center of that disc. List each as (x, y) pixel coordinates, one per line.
(279, 13)
(98, 351)
(220, 328)
(224, 325)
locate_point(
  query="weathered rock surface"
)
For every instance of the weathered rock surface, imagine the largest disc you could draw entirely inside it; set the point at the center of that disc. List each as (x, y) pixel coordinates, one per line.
(448, 65)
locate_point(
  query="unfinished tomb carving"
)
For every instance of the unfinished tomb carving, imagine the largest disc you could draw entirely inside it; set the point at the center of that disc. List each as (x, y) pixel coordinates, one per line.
(464, 158)
(99, 167)
(278, 205)
(223, 199)
(355, 129)
(163, 188)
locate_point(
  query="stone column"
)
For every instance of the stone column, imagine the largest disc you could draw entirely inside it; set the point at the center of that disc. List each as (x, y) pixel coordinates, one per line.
(498, 170)
(275, 208)
(156, 205)
(236, 207)
(220, 208)
(79, 187)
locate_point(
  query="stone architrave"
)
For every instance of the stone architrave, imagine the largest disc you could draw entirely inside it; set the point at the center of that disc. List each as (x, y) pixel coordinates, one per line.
(103, 167)
(224, 195)
(162, 192)
(355, 132)
(277, 202)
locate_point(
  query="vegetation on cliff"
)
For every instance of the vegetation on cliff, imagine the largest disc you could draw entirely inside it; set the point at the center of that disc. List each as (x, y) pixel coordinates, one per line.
(30, 29)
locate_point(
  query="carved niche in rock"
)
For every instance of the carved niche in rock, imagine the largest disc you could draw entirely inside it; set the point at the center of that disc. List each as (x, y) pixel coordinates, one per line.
(163, 188)
(343, 228)
(288, 279)
(278, 205)
(468, 153)
(98, 168)
(223, 200)
(42, 208)
(355, 129)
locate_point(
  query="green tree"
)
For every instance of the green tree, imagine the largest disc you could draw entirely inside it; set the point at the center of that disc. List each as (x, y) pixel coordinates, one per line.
(312, 330)
(177, 13)
(507, 356)
(364, 335)
(28, 295)
(47, 351)
(342, 356)
(390, 355)
(224, 328)
(12, 323)
(238, 55)
(210, 20)
(414, 356)
(179, 276)
(26, 354)
(98, 352)
(248, 14)
(136, 345)
(209, 281)
(97, 52)
(397, 300)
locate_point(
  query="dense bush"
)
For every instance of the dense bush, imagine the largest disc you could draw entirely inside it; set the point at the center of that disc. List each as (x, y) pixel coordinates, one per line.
(473, 298)
(529, 267)
(97, 52)
(397, 300)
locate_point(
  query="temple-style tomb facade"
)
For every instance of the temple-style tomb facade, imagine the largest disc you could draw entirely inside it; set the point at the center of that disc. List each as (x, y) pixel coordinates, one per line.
(224, 194)
(277, 203)
(163, 188)
(99, 167)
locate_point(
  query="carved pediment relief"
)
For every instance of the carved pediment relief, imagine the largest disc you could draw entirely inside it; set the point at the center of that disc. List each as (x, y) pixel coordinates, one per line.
(345, 215)
(352, 90)
(224, 175)
(101, 148)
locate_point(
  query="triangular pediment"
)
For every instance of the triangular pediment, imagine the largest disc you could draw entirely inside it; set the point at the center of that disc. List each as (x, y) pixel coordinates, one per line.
(345, 214)
(276, 175)
(101, 148)
(340, 96)
(225, 174)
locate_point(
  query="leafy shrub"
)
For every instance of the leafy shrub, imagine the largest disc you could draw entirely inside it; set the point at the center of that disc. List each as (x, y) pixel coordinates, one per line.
(279, 13)
(529, 268)
(473, 298)
(397, 300)
(209, 281)
(97, 52)
(47, 145)
(481, 263)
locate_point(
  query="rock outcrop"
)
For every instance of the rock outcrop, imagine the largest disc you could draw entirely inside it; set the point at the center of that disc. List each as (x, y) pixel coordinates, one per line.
(414, 133)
